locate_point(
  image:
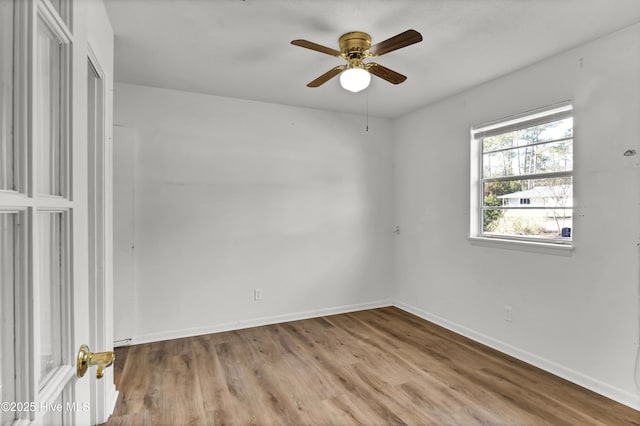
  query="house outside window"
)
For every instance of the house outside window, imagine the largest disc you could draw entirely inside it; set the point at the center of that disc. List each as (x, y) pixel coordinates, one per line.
(523, 177)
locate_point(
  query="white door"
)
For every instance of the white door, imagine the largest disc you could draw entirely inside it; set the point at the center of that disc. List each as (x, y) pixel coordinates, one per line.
(43, 216)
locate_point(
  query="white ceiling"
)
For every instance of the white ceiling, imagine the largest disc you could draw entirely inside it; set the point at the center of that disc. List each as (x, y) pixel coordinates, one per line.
(241, 48)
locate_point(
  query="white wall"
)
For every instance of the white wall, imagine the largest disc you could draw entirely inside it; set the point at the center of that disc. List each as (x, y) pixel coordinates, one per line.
(233, 195)
(576, 314)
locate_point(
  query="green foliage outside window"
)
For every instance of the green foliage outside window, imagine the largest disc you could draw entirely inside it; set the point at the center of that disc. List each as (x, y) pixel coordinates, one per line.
(491, 217)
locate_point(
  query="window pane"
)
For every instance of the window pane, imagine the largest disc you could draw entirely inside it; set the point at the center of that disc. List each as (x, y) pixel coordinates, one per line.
(548, 193)
(539, 223)
(50, 292)
(7, 278)
(531, 207)
(47, 104)
(541, 133)
(7, 159)
(545, 158)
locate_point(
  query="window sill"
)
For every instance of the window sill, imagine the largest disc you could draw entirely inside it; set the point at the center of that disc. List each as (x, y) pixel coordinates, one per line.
(522, 245)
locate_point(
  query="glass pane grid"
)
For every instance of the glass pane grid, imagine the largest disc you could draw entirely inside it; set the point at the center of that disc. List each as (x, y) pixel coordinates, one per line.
(35, 319)
(546, 132)
(50, 293)
(526, 182)
(48, 112)
(544, 148)
(489, 151)
(549, 157)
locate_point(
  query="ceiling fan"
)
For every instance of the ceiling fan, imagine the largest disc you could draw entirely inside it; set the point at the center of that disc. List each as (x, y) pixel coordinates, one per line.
(355, 47)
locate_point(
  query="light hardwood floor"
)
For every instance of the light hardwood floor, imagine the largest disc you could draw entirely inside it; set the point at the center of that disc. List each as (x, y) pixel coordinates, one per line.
(381, 366)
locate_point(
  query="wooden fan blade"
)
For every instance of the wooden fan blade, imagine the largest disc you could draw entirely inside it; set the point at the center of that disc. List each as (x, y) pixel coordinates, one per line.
(317, 47)
(385, 73)
(327, 76)
(396, 42)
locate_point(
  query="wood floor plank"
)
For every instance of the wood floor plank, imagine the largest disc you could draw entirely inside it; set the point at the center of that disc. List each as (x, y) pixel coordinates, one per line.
(463, 369)
(380, 366)
(445, 406)
(131, 396)
(460, 368)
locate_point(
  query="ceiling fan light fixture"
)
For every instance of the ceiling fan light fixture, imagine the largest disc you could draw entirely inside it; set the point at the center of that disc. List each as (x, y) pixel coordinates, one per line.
(355, 47)
(355, 79)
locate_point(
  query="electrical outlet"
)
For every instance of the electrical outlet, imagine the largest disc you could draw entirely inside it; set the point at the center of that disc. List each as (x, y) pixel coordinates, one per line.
(508, 313)
(257, 294)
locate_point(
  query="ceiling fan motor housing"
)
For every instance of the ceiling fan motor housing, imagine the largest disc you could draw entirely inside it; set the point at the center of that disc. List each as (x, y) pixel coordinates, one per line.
(355, 47)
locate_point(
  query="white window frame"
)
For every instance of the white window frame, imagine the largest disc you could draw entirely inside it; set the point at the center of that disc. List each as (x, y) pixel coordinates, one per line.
(524, 120)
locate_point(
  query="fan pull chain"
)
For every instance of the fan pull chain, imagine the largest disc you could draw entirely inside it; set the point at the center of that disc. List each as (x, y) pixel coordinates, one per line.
(367, 96)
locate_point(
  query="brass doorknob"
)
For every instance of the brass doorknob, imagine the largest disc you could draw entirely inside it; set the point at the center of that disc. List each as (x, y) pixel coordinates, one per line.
(86, 358)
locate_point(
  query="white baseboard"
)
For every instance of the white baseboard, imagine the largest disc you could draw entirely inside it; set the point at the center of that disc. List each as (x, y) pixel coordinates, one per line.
(255, 322)
(620, 395)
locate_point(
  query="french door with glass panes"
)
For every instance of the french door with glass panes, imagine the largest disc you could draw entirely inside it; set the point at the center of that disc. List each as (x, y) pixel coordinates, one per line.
(44, 293)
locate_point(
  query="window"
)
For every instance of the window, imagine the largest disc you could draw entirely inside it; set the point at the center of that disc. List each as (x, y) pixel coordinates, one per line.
(523, 186)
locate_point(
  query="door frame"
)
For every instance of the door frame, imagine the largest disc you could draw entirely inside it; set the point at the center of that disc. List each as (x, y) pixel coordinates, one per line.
(100, 299)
